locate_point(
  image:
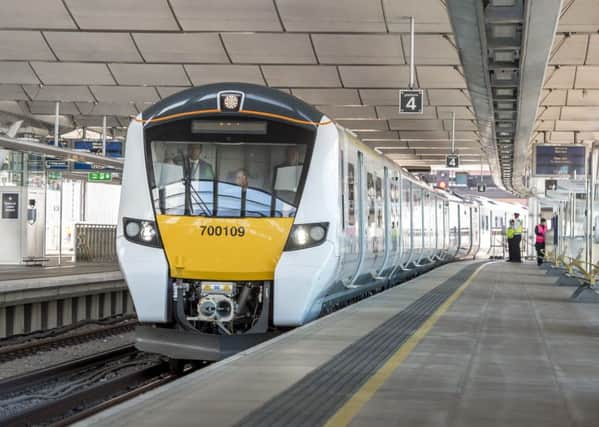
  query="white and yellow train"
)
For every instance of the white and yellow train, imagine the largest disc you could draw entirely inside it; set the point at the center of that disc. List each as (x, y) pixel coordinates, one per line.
(245, 210)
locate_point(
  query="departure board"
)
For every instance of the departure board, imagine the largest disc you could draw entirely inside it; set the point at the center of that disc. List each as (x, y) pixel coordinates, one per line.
(551, 160)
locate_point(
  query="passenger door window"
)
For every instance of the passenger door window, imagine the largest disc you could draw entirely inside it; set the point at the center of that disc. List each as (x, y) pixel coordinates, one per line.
(351, 194)
(371, 198)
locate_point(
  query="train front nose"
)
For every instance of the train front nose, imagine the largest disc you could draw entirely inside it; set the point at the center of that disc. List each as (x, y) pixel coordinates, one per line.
(235, 249)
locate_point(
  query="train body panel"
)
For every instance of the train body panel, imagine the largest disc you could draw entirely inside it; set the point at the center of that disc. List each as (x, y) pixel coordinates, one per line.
(223, 248)
(148, 286)
(303, 276)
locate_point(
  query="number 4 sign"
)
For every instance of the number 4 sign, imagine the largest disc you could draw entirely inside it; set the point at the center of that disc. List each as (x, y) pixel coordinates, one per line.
(410, 101)
(452, 161)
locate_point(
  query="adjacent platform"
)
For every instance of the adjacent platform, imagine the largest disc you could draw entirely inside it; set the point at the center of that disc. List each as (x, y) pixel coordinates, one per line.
(18, 272)
(40, 298)
(463, 345)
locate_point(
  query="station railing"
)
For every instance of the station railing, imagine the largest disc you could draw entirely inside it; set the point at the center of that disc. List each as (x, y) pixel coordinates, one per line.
(95, 242)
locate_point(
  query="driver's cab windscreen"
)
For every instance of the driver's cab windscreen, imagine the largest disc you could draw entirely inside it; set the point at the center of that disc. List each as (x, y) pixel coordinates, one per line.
(229, 175)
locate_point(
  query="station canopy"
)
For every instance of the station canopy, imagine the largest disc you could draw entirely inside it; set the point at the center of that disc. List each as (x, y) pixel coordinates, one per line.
(348, 58)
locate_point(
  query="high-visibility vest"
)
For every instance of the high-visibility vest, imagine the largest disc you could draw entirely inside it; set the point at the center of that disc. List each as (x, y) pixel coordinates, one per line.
(510, 232)
(540, 231)
(518, 226)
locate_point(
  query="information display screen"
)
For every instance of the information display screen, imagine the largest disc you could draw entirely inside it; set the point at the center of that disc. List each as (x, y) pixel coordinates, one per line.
(10, 205)
(229, 126)
(553, 160)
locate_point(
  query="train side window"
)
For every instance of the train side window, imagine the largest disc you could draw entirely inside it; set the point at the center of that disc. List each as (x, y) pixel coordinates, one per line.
(379, 188)
(371, 197)
(351, 193)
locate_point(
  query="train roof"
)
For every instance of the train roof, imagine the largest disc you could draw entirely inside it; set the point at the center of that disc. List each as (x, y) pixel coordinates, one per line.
(268, 102)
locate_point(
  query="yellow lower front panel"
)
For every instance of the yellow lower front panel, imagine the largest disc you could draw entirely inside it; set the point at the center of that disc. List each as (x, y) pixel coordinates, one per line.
(223, 248)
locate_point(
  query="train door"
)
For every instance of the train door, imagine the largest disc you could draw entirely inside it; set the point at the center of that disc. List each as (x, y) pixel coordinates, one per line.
(417, 231)
(407, 247)
(366, 218)
(395, 199)
(476, 226)
(352, 228)
(454, 228)
(390, 218)
(465, 229)
(424, 221)
(370, 221)
(429, 215)
(438, 226)
(379, 247)
(445, 226)
(484, 238)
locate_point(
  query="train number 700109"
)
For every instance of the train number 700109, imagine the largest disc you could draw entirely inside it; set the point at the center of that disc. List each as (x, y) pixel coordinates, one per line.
(217, 230)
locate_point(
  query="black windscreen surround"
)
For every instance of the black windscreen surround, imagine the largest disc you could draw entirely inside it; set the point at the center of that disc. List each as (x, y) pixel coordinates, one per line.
(228, 174)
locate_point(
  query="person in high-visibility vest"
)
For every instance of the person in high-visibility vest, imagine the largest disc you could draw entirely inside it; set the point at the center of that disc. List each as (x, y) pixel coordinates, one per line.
(510, 232)
(517, 237)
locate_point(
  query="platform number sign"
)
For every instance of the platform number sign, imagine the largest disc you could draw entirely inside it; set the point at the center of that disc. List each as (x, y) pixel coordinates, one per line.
(410, 101)
(452, 161)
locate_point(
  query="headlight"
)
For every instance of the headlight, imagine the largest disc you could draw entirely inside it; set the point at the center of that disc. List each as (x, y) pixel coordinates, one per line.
(317, 232)
(300, 236)
(141, 231)
(147, 233)
(132, 229)
(304, 236)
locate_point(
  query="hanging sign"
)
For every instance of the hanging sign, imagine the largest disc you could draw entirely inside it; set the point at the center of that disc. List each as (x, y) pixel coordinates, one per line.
(57, 164)
(10, 205)
(452, 161)
(551, 160)
(99, 176)
(410, 101)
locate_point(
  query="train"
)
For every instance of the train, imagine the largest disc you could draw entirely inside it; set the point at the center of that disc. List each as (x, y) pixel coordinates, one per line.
(246, 211)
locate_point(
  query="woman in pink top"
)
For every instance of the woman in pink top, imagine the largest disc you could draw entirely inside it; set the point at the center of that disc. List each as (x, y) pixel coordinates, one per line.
(540, 231)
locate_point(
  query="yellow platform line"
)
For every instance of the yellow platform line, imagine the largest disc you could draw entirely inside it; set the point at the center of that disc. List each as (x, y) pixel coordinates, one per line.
(348, 411)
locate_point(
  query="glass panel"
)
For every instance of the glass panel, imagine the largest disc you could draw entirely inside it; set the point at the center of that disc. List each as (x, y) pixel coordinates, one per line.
(11, 168)
(371, 197)
(227, 180)
(351, 183)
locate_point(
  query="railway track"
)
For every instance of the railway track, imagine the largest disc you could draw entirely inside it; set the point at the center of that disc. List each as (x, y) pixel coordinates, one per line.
(33, 345)
(65, 393)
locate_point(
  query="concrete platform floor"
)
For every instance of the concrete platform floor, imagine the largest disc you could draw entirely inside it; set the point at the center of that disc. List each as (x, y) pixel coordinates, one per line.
(17, 272)
(511, 351)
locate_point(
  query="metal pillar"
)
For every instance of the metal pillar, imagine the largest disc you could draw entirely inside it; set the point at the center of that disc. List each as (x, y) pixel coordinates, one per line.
(104, 136)
(56, 123)
(412, 65)
(60, 223)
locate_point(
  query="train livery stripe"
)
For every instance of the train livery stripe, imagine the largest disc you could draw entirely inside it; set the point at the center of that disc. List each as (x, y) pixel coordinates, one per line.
(248, 112)
(236, 249)
(352, 407)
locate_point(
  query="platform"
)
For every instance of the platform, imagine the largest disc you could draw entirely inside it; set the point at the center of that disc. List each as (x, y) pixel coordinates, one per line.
(17, 272)
(35, 299)
(511, 350)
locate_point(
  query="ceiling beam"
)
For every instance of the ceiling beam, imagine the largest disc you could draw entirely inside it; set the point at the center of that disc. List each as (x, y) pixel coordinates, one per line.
(541, 20)
(467, 19)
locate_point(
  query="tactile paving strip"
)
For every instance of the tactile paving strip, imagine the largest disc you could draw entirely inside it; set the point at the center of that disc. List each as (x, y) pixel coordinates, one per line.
(317, 397)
